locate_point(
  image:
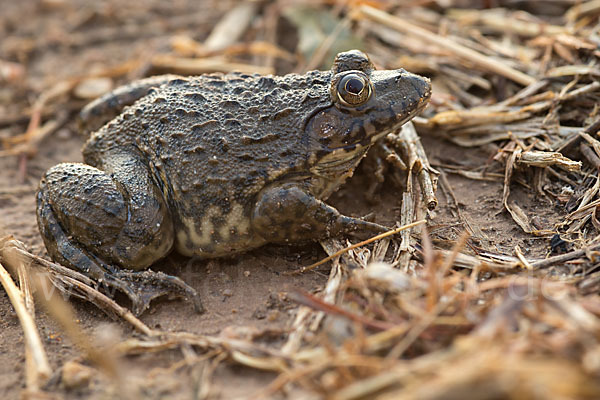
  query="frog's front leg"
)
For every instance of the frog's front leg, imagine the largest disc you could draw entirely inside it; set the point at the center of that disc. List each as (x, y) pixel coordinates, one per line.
(99, 222)
(288, 213)
(404, 152)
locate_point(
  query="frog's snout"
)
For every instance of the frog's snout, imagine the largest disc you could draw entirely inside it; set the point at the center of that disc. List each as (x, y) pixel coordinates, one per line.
(421, 86)
(406, 93)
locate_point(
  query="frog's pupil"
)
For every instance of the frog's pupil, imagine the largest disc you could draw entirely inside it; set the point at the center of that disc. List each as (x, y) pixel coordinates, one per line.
(354, 85)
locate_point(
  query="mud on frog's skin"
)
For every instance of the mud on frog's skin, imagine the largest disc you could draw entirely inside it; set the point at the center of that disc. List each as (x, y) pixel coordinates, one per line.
(218, 164)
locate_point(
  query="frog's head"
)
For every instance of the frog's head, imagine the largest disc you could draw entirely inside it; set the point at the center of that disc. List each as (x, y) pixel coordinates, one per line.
(365, 105)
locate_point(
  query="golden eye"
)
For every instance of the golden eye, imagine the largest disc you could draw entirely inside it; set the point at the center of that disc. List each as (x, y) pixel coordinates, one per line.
(353, 90)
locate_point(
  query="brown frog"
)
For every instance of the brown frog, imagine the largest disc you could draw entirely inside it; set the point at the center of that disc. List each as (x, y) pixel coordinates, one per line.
(217, 164)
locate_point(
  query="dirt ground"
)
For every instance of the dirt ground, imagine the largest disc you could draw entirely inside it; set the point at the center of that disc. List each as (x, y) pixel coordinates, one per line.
(70, 38)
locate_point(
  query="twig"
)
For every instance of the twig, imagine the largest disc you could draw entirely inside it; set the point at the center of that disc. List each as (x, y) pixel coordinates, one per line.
(31, 369)
(417, 329)
(503, 22)
(564, 257)
(458, 246)
(324, 47)
(32, 338)
(590, 155)
(524, 262)
(231, 26)
(198, 66)
(78, 281)
(409, 142)
(478, 59)
(64, 314)
(354, 246)
(316, 303)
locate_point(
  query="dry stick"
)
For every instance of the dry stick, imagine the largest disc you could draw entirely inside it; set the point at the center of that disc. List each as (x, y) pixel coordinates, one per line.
(64, 314)
(515, 211)
(563, 257)
(288, 377)
(581, 9)
(13, 253)
(299, 326)
(409, 141)
(32, 338)
(332, 288)
(589, 88)
(32, 377)
(324, 47)
(589, 155)
(314, 302)
(30, 146)
(524, 263)
(232, 26)
(354, 246)
(306, 318)
(590, 130)
(82, 283)
(122, 312)
(198, 66)
(413, 334)
(473, 56)
(12, 260)
(458, 246)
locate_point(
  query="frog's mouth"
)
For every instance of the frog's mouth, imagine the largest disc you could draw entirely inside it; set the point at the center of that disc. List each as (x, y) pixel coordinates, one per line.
(339, 160)
(399, 97)
(334, 168)
(338, 157)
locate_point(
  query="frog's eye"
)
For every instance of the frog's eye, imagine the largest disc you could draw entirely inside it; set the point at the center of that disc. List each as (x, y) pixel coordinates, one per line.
(353, 90)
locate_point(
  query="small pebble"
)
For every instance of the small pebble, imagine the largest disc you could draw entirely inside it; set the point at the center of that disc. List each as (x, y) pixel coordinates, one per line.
(75, 375)
(63, 134)
(11, 72)
(273, 315)
(92, 88)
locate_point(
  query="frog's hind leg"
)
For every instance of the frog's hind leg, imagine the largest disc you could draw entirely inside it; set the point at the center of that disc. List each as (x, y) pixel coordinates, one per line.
(85, 218)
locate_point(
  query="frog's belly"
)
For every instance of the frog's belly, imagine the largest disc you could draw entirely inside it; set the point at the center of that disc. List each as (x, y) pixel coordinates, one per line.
(215, 235)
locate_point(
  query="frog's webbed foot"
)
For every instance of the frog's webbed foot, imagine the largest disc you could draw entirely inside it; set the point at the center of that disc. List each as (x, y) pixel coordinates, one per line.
(403, 151)
(377, 165)
(141, 287)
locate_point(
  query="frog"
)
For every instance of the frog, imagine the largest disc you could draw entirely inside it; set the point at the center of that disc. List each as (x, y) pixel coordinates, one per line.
(215, 165)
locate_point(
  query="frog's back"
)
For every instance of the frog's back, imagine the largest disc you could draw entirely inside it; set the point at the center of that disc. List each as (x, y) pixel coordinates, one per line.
(227, 136)
(214, 142)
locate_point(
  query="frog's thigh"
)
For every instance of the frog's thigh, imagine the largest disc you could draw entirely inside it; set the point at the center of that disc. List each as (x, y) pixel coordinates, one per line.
(288, 213)
(89, 220)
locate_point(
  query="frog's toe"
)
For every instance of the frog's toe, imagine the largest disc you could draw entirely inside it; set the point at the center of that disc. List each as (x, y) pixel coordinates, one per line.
(141, 287)
(360, 227)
